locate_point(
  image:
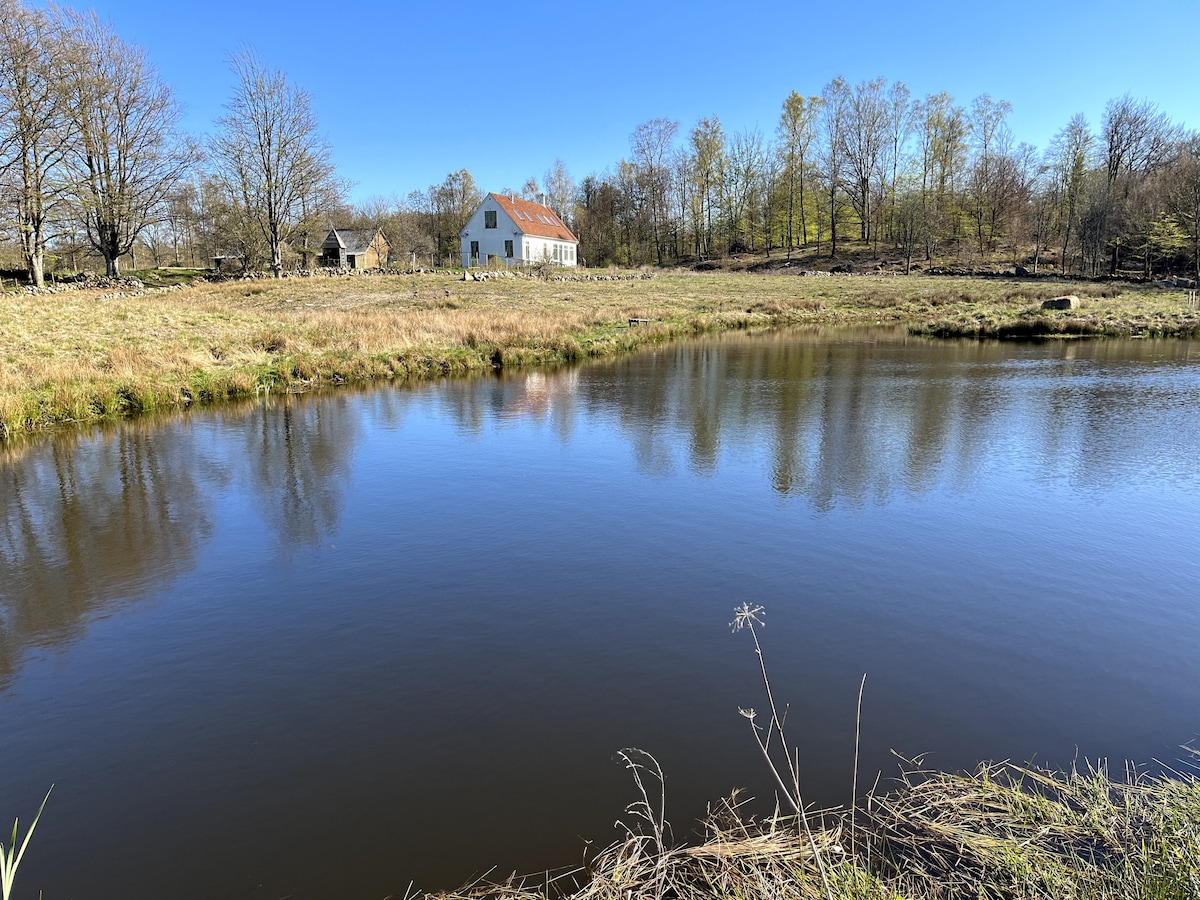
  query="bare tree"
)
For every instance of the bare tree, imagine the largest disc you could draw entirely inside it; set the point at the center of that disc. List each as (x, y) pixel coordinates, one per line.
(835, 102)
(35, 129)
(900, 120)
(865, 138)
(991, 180)
(1136, 141)
(560, 190)
(271, 156)
(453, 202)
(127, 156)
(651, 144)
(1137, 138)
(745, 166)
(1067, 156)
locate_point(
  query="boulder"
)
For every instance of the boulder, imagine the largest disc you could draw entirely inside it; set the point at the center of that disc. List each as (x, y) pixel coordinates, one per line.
(1068, 302)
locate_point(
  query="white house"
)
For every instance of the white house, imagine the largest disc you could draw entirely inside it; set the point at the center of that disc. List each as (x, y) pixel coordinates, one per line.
(517, 231)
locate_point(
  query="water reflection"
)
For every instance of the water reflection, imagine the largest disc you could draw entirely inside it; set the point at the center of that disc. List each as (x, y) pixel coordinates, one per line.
(502, 580)
(91, 526)
(857, 418)
(91, 522)
(298, 455)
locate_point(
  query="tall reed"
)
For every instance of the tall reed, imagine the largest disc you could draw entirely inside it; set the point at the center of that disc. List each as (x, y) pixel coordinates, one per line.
(11, 858)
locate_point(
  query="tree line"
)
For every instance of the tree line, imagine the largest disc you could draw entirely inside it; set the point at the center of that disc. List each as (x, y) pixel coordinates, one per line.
(92, 161)
(871, 168)
(922, 177)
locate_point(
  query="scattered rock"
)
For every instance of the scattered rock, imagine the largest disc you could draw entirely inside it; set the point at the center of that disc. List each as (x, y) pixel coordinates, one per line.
(1068, 302)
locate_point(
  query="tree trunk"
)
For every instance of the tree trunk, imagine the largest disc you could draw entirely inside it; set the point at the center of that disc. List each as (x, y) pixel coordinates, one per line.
(37, 269)
(803, 220)
(832, 227)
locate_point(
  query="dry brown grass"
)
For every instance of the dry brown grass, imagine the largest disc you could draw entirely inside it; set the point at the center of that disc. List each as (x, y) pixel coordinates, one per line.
(82, 356)
(1003, 832)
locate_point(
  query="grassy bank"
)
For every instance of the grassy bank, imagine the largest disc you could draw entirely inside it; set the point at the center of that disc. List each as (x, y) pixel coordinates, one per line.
(86, 355)
(1004, 833)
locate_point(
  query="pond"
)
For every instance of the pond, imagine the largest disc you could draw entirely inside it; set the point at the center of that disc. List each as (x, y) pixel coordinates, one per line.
(328, 645)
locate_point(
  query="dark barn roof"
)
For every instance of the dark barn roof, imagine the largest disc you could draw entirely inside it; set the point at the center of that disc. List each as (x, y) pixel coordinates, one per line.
(355, 241)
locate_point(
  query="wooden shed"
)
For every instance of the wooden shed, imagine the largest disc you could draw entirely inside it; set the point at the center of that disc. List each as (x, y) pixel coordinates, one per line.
(354, 248)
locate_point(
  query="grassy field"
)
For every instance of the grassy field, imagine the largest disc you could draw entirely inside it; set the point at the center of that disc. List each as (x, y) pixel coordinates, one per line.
(90, 354)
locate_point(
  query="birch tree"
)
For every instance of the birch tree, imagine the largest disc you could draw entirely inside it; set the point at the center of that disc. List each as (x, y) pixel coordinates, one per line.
(865, 137)
(708, 163)
(745, 167)
(560, 190)
(1068, 159)
(835, 102)
(901, 113)
(991, 176)
(796, 131)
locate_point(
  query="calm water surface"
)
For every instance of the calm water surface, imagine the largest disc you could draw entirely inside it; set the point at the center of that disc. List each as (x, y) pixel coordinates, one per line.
(323, 646)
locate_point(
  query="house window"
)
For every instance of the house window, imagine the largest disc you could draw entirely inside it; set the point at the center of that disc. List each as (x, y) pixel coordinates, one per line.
(556, 251)
(475, 250)
(508, 249)
(527, 254)
(489, 218)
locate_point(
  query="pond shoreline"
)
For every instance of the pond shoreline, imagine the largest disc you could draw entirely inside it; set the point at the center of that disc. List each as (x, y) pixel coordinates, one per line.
(1003, 830)
(85, 356)
(488, 572)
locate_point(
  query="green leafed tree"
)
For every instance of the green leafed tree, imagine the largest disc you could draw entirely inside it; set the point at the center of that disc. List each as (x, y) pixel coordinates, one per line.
(796, 132)
(707, 158)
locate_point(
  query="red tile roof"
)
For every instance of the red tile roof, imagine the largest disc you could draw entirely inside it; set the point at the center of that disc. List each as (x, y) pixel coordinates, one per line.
(535, 219)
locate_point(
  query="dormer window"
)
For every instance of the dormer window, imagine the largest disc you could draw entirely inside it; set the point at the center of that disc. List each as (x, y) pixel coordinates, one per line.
(489, 218)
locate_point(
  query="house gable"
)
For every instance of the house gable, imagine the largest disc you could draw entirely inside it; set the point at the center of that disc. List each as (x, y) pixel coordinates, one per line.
(516, 231)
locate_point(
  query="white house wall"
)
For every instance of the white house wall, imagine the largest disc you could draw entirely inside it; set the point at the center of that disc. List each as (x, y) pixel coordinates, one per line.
(491, 240)
(538, 248)
(526, 248)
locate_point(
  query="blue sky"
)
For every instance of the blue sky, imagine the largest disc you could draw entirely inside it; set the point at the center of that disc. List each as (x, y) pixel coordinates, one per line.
(408, 92)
